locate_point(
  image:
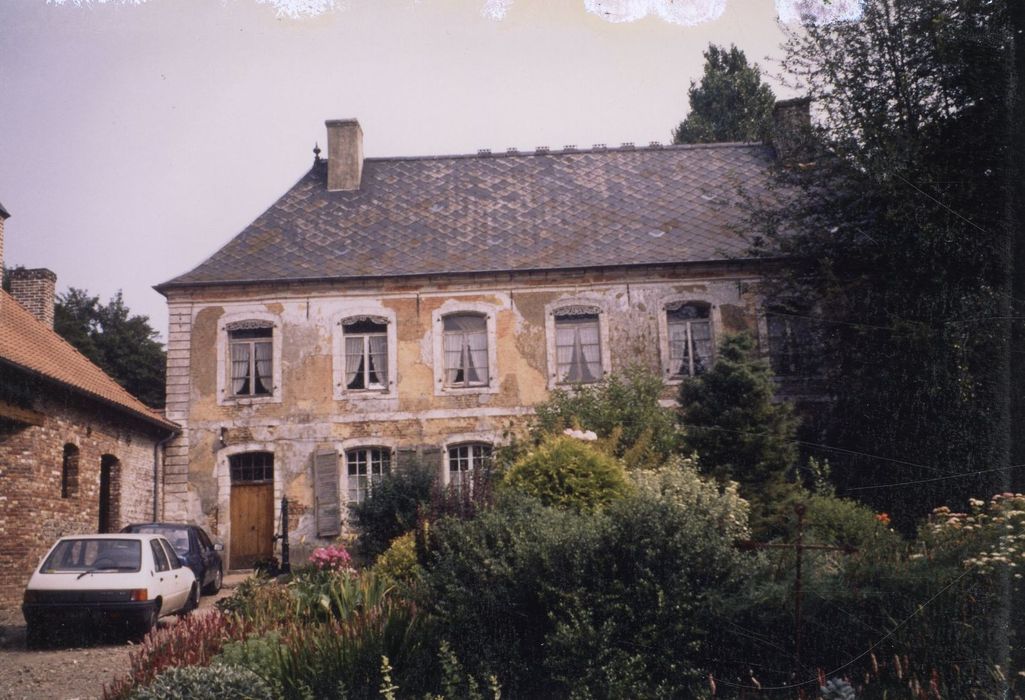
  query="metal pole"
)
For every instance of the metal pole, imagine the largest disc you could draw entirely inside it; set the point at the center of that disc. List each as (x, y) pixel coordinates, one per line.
(286, 567)
(799, 547)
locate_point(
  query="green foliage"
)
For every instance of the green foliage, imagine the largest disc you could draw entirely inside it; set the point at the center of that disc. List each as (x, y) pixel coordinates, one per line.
(568, 473)
(554, 602)
(398, 566)
(123, 345)
(206, 683)
(258, 654)
(731, 422)
(898, 237)
(622, 410)
(391, 508)
(731, 103)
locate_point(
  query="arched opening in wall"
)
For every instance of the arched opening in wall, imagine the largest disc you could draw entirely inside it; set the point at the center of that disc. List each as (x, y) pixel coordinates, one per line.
(69, 472)
(110, 493)
(252, 507)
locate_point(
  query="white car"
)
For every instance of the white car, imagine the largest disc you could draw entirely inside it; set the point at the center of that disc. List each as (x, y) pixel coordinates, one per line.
(126, 578)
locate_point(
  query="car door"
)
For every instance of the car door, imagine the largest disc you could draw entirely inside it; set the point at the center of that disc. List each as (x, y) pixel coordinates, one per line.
(162, 587)
(178, 577)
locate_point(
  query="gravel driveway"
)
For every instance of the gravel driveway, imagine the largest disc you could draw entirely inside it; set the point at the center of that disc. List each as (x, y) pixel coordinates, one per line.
(79, 668)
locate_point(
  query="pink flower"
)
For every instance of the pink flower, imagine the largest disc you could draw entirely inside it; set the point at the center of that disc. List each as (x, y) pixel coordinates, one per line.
(332, 558)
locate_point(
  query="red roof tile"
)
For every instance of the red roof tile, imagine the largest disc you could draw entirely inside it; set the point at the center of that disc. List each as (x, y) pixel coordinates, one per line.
(30, 345)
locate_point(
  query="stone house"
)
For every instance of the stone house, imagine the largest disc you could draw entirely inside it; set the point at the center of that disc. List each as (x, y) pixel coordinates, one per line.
(78, 453)
(386, 311)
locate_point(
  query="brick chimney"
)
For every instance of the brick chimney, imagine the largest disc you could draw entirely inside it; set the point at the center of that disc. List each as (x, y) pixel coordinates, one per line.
(344, 155)
(3, 217)
(34, 289)
(791, 129)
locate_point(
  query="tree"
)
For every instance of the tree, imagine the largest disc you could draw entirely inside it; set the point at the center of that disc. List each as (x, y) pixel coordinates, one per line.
(731, 103)
(123, 345)
(730, 421)
(900, 235)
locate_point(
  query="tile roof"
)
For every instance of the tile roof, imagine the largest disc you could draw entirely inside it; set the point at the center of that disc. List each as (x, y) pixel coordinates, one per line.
(3, 213)
(499, 213)
(30, 345)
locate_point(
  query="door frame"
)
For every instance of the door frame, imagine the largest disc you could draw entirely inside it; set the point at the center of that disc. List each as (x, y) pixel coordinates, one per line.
(224, 489)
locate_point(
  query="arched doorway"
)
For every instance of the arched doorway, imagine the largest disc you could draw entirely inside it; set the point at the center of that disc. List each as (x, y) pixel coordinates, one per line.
(110, 493)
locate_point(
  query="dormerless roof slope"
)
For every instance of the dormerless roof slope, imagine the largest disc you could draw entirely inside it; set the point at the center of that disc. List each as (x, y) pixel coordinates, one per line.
(32, 346)
(497, 213)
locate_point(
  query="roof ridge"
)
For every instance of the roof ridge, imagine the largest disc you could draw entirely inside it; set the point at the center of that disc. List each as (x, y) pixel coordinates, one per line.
(595, 149)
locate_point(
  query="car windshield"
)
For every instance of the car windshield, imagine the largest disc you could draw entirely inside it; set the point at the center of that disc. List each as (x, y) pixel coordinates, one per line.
(177, 536)
(83, 555)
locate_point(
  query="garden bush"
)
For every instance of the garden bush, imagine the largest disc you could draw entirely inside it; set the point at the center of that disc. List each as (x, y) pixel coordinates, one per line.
(555, 602)
(391, 509)
(398, 565)
(206, 683)
(623, 410)
(568, 473)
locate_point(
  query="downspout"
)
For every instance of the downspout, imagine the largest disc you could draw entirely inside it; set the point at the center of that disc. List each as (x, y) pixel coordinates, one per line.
(156, 472)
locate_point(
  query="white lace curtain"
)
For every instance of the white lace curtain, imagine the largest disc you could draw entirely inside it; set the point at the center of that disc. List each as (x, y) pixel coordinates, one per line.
(239, 367)
(466, 349)
(578, 349)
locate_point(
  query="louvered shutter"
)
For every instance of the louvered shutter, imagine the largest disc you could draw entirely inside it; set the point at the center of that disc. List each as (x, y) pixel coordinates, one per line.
(325, 479)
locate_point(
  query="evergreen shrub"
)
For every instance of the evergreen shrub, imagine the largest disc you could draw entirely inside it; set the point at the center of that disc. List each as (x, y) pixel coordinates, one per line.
(391, 509)
(206, 683)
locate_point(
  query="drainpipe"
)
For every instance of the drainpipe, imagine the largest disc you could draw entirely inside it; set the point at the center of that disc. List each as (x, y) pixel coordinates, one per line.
(156, 472)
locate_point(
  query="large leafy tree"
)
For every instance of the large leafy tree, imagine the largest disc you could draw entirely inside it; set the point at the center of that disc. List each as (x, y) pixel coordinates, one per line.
(902, 232)
(730, 103)
(122, 344)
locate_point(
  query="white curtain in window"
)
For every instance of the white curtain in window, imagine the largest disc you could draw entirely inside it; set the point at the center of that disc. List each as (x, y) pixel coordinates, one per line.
(453, 354)
(701, 337)
(477, 356)
(239, 367)
(264, 364)
(591, 345)
(353, 357)
(379, 357)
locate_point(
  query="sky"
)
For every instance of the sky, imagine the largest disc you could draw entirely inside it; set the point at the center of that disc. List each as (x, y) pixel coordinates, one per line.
(138, 137)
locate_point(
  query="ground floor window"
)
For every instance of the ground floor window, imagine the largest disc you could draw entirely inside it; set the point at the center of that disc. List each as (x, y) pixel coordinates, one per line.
(464, 460)
(365, 466)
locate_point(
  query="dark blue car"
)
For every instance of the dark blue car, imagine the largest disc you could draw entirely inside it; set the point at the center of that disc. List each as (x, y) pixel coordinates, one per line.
(194, 548)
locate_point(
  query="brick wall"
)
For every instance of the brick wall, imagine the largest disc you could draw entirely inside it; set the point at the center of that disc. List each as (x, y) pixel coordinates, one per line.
(33, 514)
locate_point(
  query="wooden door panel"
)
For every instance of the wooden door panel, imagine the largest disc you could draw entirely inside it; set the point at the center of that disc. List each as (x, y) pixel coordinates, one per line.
(252, 523)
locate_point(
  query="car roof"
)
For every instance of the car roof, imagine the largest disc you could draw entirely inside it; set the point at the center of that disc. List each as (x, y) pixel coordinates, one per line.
(177, 526)
(114, 536)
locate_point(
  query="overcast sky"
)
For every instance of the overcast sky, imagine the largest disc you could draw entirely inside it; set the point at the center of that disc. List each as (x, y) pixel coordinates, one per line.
(136, 139)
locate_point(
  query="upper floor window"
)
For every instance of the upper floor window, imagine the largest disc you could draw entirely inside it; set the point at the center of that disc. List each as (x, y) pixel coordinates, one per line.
(793, 346)
(465, 343)
(690, 338)
(366, 354)
(251, 350)
(578, 351)
(464, 460)
(365, 466)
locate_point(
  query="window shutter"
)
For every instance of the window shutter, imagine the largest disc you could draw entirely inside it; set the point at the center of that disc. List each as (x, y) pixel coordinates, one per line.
(325, 480)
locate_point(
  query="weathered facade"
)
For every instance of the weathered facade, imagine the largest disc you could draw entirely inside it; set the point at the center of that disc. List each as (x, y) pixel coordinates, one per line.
(78, 453)
(391, 311)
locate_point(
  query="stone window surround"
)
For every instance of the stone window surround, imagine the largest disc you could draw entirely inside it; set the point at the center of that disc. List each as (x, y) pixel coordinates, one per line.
(223, 476)
(483, 437)
(454, 306)
(343, 447)
(715, 321)
(551, 310)
(224, 398)
(339, 390)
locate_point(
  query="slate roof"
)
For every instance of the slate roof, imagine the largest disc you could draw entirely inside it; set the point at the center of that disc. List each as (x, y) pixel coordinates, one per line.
(30, 345)
(503, 212)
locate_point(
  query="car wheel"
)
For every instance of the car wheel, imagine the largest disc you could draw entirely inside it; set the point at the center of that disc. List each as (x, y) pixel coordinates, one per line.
(146, 622)
(192, 602)
(215, 585)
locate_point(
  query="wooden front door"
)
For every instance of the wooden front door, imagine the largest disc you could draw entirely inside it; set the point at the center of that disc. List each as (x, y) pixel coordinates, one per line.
(252, 523)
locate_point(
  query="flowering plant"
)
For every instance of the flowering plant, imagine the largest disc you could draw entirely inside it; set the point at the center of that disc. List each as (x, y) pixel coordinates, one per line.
(331, 558)
(991, 535)
(585, 435)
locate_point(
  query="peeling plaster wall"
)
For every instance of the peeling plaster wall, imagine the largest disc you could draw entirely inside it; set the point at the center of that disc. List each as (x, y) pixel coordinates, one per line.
(310, 410)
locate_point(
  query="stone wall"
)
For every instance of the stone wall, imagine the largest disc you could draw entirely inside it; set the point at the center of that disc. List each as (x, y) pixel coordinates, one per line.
(309, 408)
(33, 513)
